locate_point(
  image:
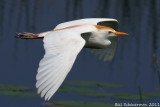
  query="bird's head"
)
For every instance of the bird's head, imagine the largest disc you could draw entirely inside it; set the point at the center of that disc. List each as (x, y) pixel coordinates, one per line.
(116, 33)
(111, 32)
(108, 34)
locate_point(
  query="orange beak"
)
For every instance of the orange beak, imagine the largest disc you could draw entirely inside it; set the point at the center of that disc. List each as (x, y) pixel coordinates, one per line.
(120, 33)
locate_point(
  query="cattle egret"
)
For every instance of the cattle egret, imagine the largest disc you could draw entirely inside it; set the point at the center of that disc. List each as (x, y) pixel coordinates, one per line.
(63, 44)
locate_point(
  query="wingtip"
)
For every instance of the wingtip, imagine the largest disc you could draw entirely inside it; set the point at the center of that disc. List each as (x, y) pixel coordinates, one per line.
(49, 97)
(42, 95)
(46, 98)
(37, 85)
(38, 91)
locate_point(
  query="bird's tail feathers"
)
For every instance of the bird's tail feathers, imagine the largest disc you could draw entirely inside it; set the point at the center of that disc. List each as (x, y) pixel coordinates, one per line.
(27, 35)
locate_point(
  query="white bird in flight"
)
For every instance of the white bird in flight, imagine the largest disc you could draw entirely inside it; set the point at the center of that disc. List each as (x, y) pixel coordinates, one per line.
(63, 44)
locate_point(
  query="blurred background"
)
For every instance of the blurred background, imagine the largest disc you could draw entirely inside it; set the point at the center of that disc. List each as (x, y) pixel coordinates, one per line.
(133, 76)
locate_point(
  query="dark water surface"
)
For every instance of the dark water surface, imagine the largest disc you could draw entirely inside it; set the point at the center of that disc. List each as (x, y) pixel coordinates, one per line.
(134, 71)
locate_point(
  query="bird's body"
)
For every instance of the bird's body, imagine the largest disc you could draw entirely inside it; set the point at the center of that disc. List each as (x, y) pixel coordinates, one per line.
(63, 44)
(97, 38)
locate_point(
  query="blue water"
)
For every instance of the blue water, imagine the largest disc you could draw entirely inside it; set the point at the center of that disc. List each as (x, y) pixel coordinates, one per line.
(133, 64)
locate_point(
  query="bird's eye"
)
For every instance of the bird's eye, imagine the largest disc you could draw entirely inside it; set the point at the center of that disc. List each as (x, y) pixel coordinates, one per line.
(109, 32)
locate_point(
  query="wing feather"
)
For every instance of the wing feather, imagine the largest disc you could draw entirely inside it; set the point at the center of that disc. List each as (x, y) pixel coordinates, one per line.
(108, 53)
(90, 21)
(61, 50)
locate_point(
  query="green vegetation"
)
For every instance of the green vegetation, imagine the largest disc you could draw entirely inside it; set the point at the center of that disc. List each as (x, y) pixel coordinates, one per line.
(83, 88)
(14, 87)
(86, 91)
(77, 90)
(125, 96)
(78, 104)
(153, 94)
(17, 90)
(94, 84)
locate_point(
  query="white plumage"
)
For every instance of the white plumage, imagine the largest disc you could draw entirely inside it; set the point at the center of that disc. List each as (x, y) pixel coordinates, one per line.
(63, 44)
(90, 21)
(61, 50)
(107, 53)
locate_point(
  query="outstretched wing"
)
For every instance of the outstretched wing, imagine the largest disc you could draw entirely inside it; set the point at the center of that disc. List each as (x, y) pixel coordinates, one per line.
(106, 54)
(90, 21)
(61, 50)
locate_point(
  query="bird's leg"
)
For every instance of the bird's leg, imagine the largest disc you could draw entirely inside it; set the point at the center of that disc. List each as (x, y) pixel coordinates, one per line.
(27, 35)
